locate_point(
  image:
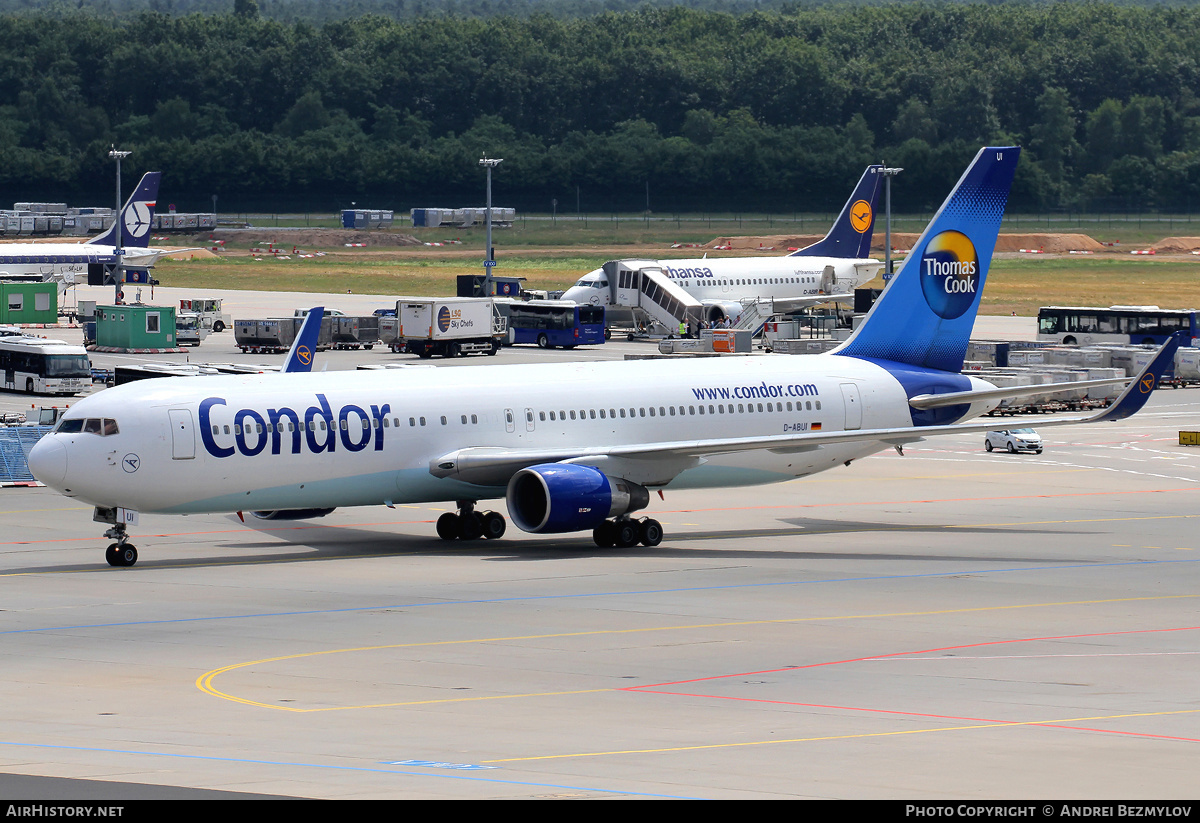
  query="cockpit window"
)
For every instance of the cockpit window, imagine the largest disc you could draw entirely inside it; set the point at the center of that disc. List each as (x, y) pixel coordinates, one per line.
(103, 426)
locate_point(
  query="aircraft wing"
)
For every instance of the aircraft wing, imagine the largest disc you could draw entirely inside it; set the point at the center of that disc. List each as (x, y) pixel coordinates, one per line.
(935, 401)
(790, 304)
(142, 257)
(656, 464)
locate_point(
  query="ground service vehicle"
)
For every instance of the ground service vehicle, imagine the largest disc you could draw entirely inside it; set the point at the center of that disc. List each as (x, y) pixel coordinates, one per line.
(448, 326)
(189, 329)
(1146, 325)
(1013, 441)
(208, 310)
(41, 366)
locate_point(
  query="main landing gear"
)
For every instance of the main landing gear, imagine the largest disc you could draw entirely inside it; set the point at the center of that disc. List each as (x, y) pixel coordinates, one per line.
(469, 524)
(624, 533)
(121, 553)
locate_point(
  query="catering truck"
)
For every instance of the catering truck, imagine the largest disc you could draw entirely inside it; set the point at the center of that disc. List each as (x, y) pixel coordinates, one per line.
(448, 326)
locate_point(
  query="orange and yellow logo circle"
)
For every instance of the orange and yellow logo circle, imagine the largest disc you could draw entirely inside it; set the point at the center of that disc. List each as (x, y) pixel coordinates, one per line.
(860, 216)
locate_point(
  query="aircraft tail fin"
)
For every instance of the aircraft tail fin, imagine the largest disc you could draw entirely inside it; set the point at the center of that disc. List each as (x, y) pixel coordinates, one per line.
(851, 233)
(300, 356)
(136, 216)
(925, 315)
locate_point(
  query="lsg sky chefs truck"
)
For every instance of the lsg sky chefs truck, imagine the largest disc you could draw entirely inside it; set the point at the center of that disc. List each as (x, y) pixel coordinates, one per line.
(448, 326)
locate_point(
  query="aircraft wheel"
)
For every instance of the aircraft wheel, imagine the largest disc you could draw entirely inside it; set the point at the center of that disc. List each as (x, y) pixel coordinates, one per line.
(121, 555)
(447, 526)
(493, 525)
(470, 527)
(604, 535)
(650, 532)
(627, 534)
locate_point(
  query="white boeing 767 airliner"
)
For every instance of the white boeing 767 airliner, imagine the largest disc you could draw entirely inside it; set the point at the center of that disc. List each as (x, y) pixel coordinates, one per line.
(570, 446)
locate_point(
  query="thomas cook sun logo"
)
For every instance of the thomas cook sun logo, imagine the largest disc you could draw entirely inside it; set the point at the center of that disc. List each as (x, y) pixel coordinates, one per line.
(950, 274)
(860, 216)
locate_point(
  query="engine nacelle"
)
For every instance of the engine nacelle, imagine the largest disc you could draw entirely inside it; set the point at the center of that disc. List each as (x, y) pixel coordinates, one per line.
(291, 514)
(565, 497)
(720, 310)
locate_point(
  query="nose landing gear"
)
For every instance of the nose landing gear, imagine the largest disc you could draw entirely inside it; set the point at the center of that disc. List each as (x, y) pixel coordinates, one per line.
(121, 553)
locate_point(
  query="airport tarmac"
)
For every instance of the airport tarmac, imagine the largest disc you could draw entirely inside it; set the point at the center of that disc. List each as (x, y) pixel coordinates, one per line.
(944, 624)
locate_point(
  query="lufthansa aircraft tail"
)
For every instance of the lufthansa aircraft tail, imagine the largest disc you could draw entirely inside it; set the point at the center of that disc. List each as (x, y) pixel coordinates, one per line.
(850, 236)
(136, 216)
(925, 315)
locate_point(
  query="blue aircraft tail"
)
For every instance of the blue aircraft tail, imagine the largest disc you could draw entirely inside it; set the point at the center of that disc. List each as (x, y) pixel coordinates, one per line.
(851, 233)
(925, 315)
(136, 216)
(300, 356)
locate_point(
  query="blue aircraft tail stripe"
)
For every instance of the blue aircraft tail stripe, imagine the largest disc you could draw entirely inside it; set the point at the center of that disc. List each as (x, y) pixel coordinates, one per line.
(850, 236)
(925, 315)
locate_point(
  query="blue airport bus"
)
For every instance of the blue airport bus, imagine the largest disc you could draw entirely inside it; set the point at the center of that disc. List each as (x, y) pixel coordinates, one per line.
(1076, 325)
(551, 323)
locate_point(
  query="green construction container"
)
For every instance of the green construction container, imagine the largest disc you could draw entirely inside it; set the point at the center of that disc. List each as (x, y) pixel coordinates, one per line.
(28, 303)
(135, 327)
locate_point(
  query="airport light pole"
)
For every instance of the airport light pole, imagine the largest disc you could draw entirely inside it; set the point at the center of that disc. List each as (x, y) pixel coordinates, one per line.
(489, 261)
(118, 224)
(888, 174)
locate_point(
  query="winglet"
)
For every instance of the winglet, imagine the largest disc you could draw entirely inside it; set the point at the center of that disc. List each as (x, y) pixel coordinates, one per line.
(850, 236)
(136, 216)
(300, 357)
(1136, 394)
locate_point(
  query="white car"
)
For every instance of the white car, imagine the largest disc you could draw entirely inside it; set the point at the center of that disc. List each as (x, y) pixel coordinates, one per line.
(1014, 440)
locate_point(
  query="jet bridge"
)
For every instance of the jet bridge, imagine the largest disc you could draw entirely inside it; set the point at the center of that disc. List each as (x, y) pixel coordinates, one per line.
(642, 284)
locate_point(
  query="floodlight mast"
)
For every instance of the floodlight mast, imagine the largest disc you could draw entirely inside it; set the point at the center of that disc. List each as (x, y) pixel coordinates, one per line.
(118, 251)
(489, 163)
(888, 174)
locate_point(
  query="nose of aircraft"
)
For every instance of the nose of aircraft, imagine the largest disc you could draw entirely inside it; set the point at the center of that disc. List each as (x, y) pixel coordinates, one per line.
(48, 461)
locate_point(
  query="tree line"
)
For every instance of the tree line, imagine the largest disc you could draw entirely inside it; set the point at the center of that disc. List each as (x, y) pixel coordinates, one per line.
(690, 109)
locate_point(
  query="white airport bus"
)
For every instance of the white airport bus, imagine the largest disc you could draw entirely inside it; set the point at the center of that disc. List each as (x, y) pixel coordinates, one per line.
(40, 366)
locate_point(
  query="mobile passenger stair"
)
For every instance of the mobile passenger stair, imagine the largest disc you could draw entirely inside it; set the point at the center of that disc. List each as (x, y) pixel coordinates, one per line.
(643, 285)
